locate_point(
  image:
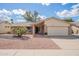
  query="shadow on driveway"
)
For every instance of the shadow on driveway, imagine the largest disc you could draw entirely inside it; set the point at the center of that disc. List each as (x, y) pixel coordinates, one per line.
(65, 37)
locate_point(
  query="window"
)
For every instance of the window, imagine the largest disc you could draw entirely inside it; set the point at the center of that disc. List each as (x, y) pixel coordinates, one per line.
(6, 26)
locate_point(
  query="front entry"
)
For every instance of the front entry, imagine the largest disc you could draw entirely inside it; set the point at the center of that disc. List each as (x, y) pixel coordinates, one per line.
(39, 29)
(36, 30)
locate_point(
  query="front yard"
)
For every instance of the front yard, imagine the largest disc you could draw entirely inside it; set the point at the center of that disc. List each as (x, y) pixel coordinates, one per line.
(7, 41)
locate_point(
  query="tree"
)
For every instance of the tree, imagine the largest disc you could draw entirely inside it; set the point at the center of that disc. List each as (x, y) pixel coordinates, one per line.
(11, 20)
(69, 19)
(19, 31)
(35, 15)
(32, 17)
(28, 16)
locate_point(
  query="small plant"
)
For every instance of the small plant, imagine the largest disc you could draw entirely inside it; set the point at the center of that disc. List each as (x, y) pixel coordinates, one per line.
(19, 31)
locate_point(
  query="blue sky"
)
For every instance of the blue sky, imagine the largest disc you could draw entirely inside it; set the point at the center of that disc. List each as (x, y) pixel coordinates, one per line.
(60, 10)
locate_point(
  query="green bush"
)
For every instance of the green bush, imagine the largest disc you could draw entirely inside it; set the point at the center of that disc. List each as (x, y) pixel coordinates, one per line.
(19, 31)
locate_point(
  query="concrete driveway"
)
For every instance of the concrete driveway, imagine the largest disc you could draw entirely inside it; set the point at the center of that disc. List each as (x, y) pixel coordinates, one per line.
(67, 44)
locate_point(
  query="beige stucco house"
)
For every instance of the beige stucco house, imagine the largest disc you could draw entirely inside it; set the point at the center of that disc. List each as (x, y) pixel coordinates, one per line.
(54, 26)
(5, 27)
(50, 27)
(75, 27)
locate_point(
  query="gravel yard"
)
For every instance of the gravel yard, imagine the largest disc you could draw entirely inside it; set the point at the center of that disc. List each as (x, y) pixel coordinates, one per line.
(8, 42)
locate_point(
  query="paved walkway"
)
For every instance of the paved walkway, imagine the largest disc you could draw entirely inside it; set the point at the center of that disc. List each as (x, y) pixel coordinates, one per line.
(39, 52)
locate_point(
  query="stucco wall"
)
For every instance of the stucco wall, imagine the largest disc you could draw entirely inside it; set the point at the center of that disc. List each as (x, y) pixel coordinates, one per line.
(54, 22)
(5, 28)
(56, 27)
(75, 30)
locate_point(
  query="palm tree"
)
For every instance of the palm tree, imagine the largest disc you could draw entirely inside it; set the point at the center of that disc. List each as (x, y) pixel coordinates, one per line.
(35, 15)
(32, 17)
(28, 16)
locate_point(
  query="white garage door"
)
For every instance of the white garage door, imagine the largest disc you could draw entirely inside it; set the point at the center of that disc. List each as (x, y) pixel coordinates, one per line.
(57, 31)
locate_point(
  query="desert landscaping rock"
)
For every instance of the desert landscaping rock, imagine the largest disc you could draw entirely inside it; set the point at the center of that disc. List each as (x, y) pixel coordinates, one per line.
(34, 43)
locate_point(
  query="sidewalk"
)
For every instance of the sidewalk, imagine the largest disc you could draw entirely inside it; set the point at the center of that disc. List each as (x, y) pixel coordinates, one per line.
(37, 52)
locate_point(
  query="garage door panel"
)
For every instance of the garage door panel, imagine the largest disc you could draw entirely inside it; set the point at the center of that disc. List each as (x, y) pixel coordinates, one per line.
(57, 31)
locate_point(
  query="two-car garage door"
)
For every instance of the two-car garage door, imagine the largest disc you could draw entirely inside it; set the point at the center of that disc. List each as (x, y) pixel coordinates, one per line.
(52, 30)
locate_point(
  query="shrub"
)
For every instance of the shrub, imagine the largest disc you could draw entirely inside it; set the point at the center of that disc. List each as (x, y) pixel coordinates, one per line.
(19, 31)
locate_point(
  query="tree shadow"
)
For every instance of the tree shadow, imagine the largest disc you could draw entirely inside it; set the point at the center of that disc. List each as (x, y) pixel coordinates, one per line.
(22, 38)
(15, 37)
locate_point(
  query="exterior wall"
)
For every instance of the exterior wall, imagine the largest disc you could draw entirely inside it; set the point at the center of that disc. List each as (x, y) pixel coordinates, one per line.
(75, 30)
(54, 22)
(70, 32)
(57, 27)
(45, 29)
(52, 31)
(5, 28)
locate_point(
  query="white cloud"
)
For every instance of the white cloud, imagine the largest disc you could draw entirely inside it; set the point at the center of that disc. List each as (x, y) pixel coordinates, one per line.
(68, 13)
(64, 3)
(75, 6)
(77, 20)
(46, 4)
(10, 12)
(18, 11)
(5, 15)
(63, 13)
(75, 12)
(5, 18)
(5, 12)
(20, 20)
(42, 16)
(19, 17)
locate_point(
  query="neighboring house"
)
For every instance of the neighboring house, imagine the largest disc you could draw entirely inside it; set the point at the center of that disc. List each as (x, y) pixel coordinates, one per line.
(75, 27)
(50, 27)
(5, 27)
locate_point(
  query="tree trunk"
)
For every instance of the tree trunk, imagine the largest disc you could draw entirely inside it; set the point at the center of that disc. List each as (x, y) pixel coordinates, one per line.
(19, 35)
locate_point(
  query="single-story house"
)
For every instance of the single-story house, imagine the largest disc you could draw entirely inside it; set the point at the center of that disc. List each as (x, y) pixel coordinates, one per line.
(5, 27)
(50, 27)
(75, 27)
(56, 26)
